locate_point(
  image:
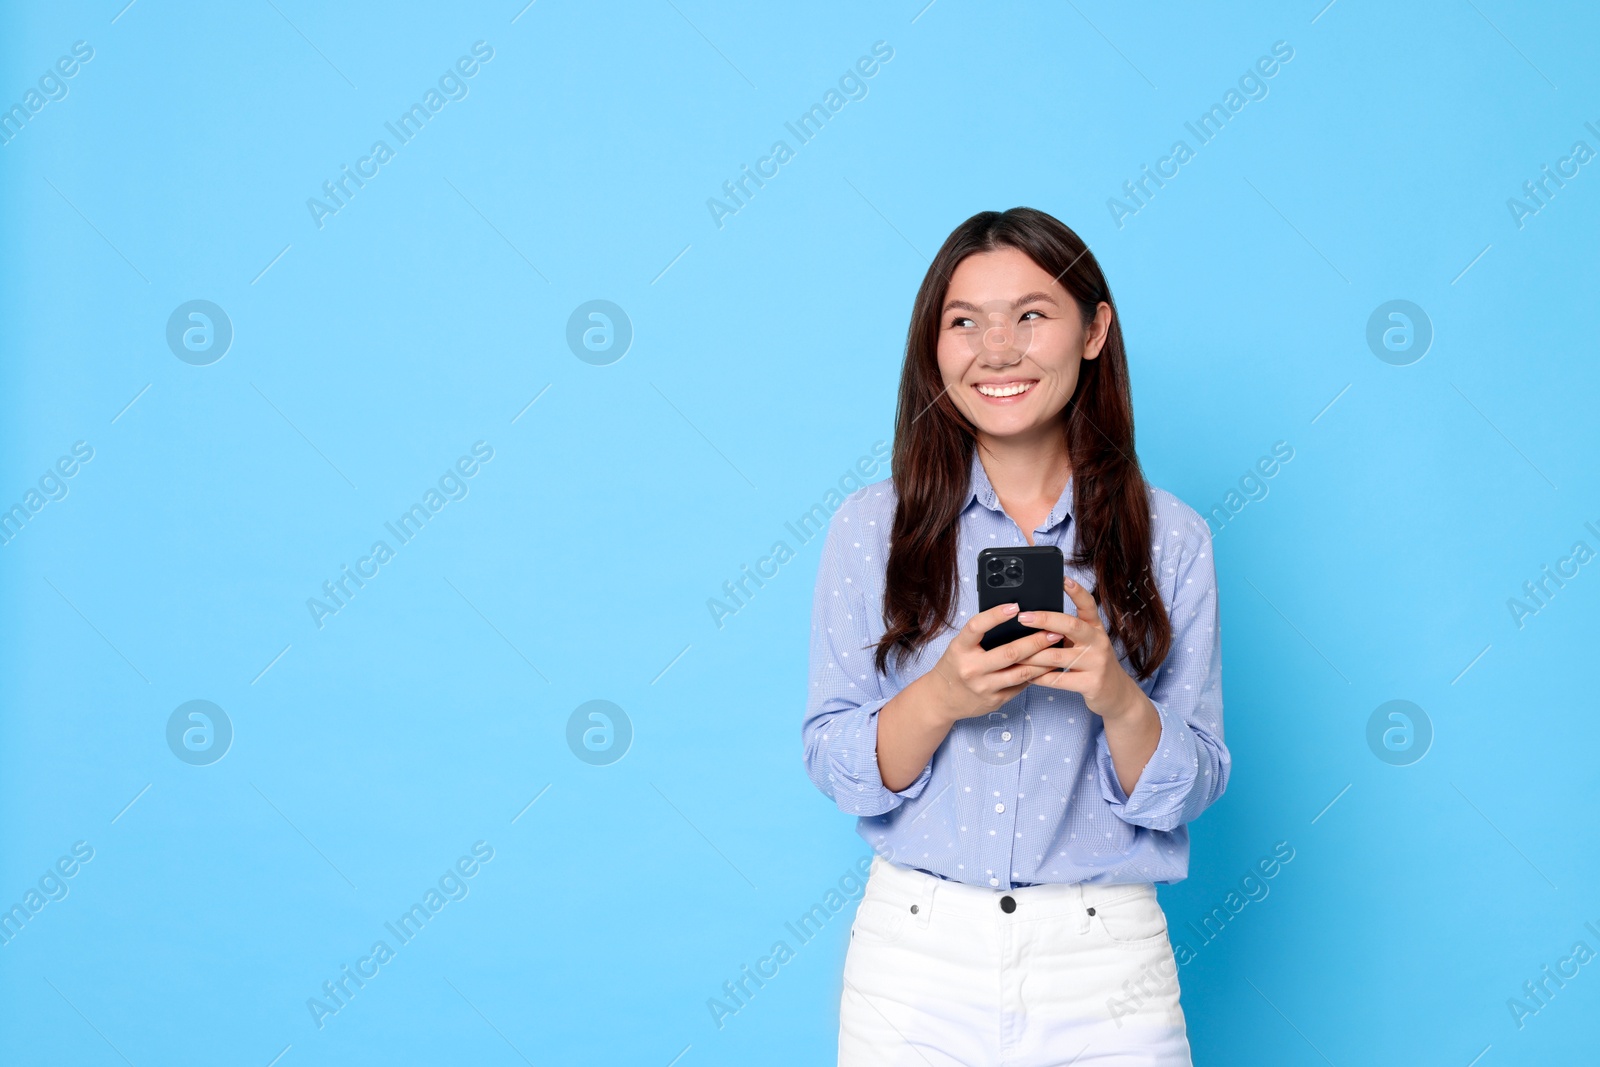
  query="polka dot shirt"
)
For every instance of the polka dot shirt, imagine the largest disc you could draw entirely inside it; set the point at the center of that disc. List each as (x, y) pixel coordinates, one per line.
(1026, 794)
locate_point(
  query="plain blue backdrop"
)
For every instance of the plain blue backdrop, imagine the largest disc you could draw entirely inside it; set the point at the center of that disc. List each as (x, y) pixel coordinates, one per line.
(431, 712)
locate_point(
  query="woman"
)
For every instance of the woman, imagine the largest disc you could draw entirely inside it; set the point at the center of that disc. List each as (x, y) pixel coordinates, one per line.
(1022, 801)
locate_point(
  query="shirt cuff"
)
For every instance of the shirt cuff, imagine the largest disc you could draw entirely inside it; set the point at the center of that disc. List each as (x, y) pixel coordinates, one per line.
(852, 765)
(1158, 796)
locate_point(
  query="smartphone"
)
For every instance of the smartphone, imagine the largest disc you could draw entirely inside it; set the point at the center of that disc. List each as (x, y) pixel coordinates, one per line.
(1030, 576)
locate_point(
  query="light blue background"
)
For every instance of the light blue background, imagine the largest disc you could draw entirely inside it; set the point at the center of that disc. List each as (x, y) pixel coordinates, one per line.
(428, 713)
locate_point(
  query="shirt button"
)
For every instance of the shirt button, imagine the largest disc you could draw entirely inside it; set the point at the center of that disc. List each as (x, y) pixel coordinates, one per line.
(994, 881)
(999, 808)
(1005, 735)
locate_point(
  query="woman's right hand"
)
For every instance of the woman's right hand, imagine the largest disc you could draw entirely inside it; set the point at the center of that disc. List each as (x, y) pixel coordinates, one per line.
(978, 680)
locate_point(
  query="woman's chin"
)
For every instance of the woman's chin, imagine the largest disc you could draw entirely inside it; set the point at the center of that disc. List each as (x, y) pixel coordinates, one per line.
(1018, 425)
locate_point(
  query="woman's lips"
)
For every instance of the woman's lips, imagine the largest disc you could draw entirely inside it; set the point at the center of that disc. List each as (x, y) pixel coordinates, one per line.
(1005, 392)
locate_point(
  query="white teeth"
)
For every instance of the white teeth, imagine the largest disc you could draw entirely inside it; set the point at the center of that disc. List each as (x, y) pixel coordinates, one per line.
(1005, 390)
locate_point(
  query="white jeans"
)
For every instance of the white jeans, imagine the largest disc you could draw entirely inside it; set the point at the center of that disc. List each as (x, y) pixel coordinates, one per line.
(940, 974)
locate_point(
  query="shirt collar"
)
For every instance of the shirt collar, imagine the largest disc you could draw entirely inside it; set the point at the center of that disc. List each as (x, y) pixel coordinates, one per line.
(980, 489)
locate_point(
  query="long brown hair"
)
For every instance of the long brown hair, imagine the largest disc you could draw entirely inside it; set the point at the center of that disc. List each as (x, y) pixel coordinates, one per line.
(934, 441)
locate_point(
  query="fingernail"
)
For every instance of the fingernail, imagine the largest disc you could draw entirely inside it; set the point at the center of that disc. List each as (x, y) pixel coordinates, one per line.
(1026, 617)
(1053, 637)
(1071, 584)
(1011, 609)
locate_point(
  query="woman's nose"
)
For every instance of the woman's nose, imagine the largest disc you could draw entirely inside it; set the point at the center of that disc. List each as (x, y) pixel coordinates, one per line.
(997, 338)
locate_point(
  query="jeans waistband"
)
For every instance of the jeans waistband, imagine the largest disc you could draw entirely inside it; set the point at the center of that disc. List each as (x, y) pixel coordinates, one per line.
(906, 886)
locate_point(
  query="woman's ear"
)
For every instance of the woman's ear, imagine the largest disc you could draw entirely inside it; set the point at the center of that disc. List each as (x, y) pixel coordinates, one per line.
(1099, 327)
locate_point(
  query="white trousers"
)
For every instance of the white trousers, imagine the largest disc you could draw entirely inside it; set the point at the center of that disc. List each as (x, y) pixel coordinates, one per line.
(946, 974)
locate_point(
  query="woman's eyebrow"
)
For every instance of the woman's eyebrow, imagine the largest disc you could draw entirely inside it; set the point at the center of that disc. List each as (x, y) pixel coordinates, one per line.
(1026, 298)
(1032, 297)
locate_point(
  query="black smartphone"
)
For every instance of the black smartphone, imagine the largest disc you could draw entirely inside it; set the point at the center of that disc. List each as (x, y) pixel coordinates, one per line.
(1030, 575)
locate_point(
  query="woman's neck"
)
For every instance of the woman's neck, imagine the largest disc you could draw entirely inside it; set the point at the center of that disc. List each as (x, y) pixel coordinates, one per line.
(1026, 470)
(1028, 476)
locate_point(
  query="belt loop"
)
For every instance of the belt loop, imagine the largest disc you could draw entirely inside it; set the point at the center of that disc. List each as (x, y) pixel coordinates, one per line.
(929, 889)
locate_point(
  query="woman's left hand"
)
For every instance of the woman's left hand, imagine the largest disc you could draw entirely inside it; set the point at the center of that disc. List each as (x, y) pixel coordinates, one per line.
(1093, 669)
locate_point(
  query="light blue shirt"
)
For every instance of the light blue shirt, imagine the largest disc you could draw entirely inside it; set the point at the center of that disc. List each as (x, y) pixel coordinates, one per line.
(1026, 794)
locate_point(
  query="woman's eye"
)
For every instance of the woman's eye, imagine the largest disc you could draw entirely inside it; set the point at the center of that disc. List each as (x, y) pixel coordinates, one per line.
(1025, 314)
(960, 320)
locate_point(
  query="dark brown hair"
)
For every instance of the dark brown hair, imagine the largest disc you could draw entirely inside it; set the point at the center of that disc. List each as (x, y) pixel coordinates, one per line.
(934, 441)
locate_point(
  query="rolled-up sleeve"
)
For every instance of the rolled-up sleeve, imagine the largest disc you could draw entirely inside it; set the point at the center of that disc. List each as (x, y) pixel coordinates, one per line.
(840, 729)
(1189, 769)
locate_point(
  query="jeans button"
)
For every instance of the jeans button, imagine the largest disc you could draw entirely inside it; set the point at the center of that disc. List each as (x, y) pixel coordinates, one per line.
(1008, 904)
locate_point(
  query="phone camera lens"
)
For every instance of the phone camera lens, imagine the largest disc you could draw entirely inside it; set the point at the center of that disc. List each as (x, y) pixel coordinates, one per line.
(996, 580)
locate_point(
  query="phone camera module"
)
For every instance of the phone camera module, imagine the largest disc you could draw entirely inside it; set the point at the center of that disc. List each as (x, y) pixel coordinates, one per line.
(1003, 572)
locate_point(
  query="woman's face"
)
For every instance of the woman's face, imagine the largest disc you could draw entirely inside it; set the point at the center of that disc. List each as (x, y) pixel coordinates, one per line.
(1011, 341)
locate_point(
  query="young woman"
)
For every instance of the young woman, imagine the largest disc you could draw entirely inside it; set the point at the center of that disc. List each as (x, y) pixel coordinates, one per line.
(1022, 802)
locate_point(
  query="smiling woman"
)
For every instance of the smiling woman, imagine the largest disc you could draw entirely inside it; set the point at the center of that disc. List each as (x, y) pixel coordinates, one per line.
(1023, 799)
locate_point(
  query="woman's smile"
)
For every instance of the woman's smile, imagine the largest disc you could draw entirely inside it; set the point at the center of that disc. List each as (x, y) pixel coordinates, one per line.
(1005, 390)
